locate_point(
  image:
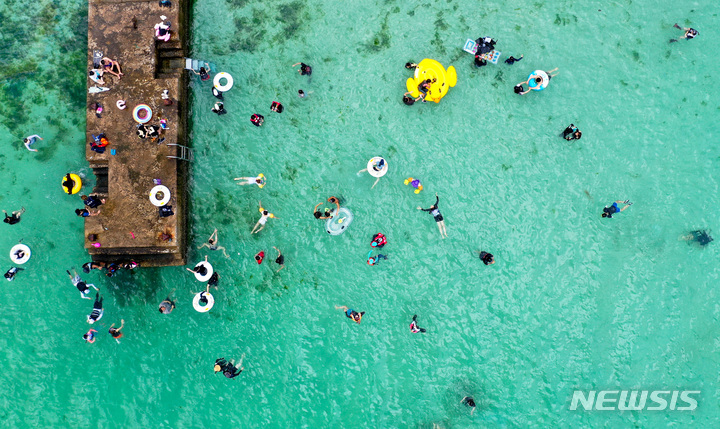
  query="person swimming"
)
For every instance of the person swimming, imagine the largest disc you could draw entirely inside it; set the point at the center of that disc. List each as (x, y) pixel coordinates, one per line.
(320, 215)
(410, 66)
(276, 107)
(214, 279)
(167, 306)
(304, 70)
(512, 60)
(115, 332)
(379, 240)
(97, 311)
(690, 33)
(414, 328)
(228, 369)
(437, 216)
(280, 260)
(408, 100)
(470, 402)
(487, 258)
(614, 208)
(350, 313)
(374, 260)
(10, 274)
(702, 237)
(15, 217)
(219, 108)
(89, 336)
(257, 119)
(216, 93)
(571, 133)
(68, 183)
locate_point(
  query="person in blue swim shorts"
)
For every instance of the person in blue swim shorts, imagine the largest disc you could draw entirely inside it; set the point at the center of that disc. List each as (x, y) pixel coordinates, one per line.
(614, 208)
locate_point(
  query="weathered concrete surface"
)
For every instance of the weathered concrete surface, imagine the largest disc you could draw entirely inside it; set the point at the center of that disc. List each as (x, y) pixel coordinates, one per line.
(129, 226)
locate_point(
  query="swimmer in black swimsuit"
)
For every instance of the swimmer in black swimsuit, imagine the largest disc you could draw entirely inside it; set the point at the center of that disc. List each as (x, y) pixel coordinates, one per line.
(470, 402)
(319, 215)
(436, 214)
(229, 369)
(15, 218)
(571, 133)
(410, 66)
(512, 60)
(200, 268)
(10, 274)
(304, 70)
(487, 258)
(702, 237)
(212, 243)
(690, 33)
(219, 108)
(280, 260)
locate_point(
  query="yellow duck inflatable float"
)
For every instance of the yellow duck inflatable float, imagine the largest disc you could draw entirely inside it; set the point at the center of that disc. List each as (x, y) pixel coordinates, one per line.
(442, 80)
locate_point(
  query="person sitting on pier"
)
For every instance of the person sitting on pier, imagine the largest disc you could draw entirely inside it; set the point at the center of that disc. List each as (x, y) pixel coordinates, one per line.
(162, 31)
(112, 67)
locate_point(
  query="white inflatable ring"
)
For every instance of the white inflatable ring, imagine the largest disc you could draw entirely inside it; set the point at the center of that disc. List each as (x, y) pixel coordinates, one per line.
(207, 307)
(121, 104)
(153, 195)
(372, 171)
(24, 258)
(148, 113)
(227, 86)
(544, 80)
(209, 273)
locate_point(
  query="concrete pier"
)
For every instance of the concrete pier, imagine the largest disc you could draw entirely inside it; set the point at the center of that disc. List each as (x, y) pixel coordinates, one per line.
(129, 226)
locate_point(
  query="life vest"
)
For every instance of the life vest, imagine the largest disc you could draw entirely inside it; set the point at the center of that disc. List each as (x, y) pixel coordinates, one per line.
(259, 257)
(379, 240)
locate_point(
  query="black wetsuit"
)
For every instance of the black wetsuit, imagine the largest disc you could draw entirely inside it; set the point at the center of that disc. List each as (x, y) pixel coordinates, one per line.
(280, 259)
(435, 211)
(12, 220)
(512, 60)
(486, 257)
(10, 274)
(305, 69)
(214, 279)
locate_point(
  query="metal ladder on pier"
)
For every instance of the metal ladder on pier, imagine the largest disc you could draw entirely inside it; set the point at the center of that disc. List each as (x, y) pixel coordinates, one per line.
(184, 152)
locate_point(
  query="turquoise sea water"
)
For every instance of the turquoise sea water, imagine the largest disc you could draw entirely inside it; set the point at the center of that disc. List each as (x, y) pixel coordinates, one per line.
(573, 302)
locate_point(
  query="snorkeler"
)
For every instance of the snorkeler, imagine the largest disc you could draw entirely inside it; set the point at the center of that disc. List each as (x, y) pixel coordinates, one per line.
(15, 217)
(97, 311)
(437, 216)
(611, 210)
(167, 305)
(257, 119)
(89, 336)
(487, 258)
(10, 274)
(259, 180)
(280, 260)
(80, 285)
(264, 215)
(350, 313)
(319, 215)
(276, 107)
(115, 332)
(29, 140)
(512, 60)
(212, 243)
(414, 328)
(701, 237)
(219, 108)
(571, 133)
(690, 33)
(470, 402)
(229, 369)
(304, 69)
(374, 260)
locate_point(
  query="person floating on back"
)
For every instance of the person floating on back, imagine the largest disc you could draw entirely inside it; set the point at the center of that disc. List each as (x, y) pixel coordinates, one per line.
(690, 33)
(571, 133)
(414, 328)
(433, 209)
(97, 311)
(264, 216)
(614, 208)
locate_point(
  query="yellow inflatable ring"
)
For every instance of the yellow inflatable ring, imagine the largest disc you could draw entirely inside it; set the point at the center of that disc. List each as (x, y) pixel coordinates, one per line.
(433, 70)
(77, 184)
(262, 179)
